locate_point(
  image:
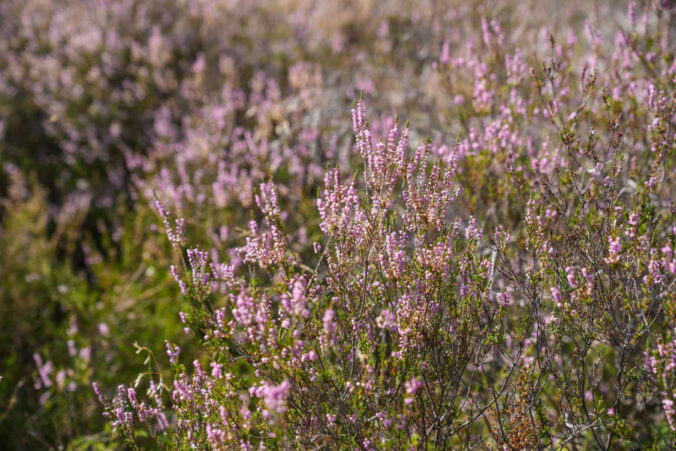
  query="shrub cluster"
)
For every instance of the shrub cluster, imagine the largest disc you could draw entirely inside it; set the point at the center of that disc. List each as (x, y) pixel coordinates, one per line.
(506, 282)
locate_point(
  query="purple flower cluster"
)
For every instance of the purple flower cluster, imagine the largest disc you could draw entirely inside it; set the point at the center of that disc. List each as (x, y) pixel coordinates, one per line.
(508, 280)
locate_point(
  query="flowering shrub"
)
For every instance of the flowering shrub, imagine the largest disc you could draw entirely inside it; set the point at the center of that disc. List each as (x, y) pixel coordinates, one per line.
(506, 282)
(400, 336)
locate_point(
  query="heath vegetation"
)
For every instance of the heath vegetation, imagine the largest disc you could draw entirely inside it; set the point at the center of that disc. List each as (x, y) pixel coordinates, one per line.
(293, 224)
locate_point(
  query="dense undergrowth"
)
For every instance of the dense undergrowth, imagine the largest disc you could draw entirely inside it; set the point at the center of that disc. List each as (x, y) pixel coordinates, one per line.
(207, 242)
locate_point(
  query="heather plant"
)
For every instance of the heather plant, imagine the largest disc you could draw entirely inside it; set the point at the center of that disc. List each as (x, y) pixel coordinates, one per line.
(82, 100)
(505, 283)
(212, 171)
(398, 336)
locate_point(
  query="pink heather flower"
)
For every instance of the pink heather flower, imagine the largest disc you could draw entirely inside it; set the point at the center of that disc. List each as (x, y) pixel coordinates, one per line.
(183, 316)
(501, 237)
(669, 411)
(215, 435)
(172, 351)
(85, 353)
(329, 323)
(131, 394)
(267, 199)
(393, 260)
(264, 248)
(339, 208)
(651, 96)
(104, 330)
(245, 308)
(556, 294)
(216, 370)
(179, 280)
(44, 370)
(309, 356)
(244, 411)
(428, 197)
(296, 302)
(589, 282)
(515, 67)
(633, 219)
(274, 397)
(631, 13)
(570, 277)
(654, 271)
(412, 387)
(72, 349)
(668, 262)
(473, 232)
(176, 232)
(198, 261)
(504, 299)
(97, 392)
(485, 32)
